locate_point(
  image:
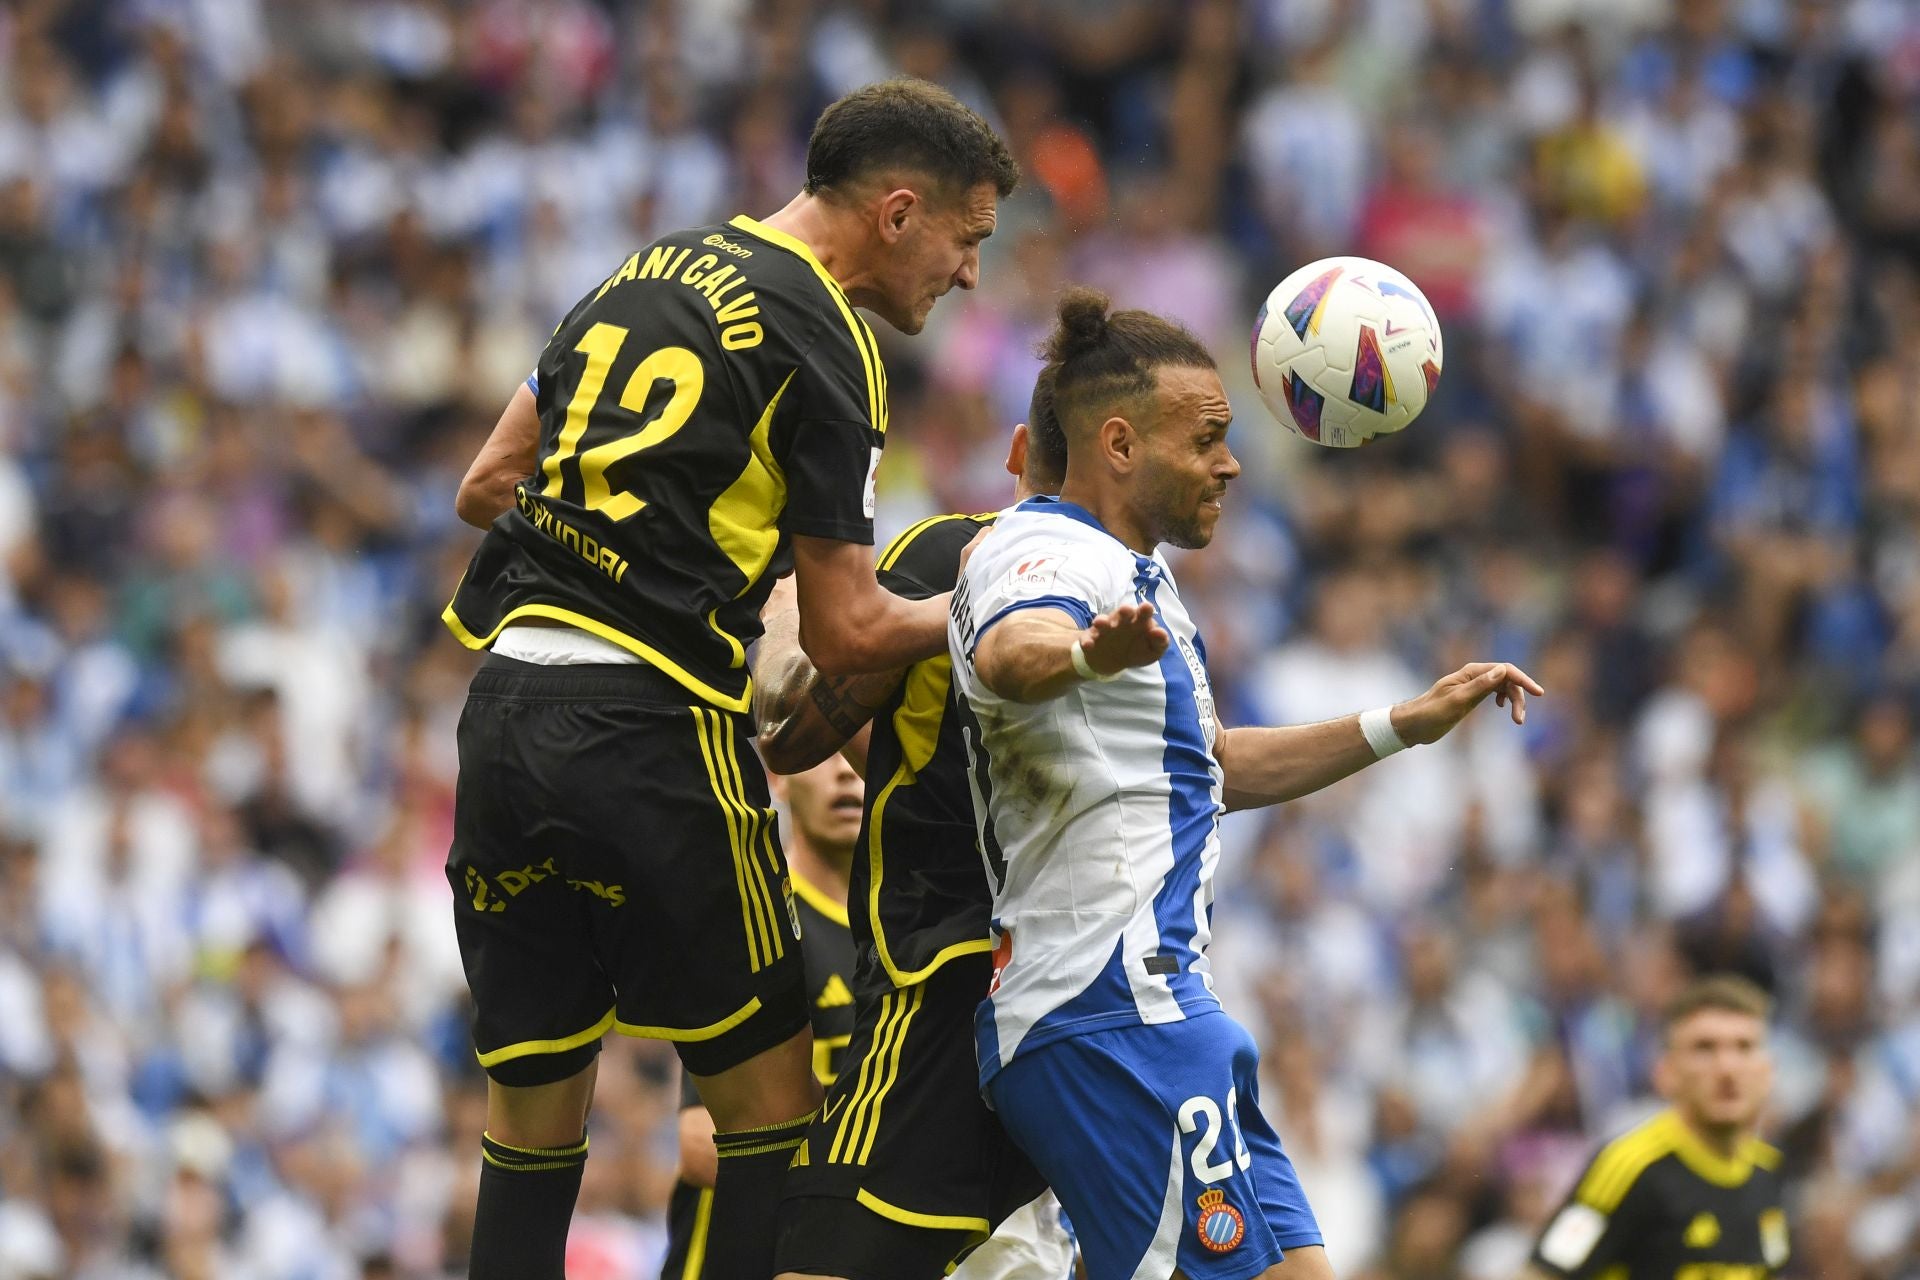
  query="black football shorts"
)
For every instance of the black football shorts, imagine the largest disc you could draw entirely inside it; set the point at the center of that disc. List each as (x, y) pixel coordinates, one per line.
(616, 867)
(907, 1169)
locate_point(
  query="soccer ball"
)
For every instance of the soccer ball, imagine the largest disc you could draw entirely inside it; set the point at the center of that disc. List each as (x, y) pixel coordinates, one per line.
(1346, 349)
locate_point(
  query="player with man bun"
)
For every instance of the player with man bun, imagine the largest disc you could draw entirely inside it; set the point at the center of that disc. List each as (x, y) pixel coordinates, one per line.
(1099, 775)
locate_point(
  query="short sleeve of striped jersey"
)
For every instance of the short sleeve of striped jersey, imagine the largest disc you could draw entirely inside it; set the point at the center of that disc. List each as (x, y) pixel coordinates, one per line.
(1045, 573)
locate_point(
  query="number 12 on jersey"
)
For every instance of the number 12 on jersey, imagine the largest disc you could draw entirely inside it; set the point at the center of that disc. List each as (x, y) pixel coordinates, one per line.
(601, 346)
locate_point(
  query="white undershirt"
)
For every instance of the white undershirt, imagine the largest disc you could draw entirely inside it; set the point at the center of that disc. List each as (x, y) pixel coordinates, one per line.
(560, 647)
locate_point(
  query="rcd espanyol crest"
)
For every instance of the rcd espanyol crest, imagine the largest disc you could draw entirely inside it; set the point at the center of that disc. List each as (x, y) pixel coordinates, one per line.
(1221, 1226)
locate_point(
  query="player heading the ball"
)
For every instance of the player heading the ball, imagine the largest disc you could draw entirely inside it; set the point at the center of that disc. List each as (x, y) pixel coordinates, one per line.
(709, 415)
(1099, 775)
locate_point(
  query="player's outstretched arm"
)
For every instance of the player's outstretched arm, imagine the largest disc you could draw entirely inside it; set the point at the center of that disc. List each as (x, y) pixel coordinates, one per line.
(507, 458)
(1029, 656)
(1268, 766)
(804, 716)
(849, 623)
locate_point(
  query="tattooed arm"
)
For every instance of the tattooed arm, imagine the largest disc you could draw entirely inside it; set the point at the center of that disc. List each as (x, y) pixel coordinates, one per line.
(804, 716)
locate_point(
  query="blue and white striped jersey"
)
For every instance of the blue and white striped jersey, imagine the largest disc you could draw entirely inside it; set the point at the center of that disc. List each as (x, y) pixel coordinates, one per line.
(1098, 810)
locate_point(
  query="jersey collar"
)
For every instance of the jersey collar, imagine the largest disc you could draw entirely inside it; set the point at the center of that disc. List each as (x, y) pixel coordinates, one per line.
(792, 244)
(1060, 506)
(1722, 1171)
(817, 898)
(1048, 503)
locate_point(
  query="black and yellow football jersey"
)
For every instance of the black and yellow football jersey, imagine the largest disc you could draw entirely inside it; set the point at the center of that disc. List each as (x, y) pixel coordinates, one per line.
(919, 890)
(863, 1199)
(1658, 1204)
(715, 396)
(826, 953)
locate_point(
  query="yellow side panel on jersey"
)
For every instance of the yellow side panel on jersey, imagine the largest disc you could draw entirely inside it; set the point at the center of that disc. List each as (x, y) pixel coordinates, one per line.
(863, 339)
(916, 724)
(744, 521)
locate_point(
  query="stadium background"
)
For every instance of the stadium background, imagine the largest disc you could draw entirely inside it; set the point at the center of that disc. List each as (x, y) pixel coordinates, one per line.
(268, 272)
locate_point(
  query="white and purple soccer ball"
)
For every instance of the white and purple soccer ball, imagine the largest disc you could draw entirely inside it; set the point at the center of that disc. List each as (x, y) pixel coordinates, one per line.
(1346, 349)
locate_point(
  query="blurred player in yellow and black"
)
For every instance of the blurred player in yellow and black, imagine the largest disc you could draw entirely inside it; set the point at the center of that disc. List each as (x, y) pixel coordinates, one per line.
(823, 822)
(709, 415)
(1691, 1194)
(907, 1169)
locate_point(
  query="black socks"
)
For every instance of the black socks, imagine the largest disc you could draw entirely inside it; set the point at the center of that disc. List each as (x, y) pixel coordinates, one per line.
(526, 1203)
(746, 1198)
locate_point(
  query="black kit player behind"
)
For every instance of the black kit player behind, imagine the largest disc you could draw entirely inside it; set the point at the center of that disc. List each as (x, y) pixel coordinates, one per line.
(823, 811)
(1693, 1193)
(710, 414)
(906, 1170)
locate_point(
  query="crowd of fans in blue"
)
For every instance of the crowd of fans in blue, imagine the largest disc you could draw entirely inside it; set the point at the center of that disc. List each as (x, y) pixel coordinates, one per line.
(269, 272)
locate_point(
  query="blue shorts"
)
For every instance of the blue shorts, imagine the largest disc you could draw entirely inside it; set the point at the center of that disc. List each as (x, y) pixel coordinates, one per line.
(1153, 1139)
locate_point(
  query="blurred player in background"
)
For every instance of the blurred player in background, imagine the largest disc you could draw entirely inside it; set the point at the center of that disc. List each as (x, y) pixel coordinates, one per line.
(1100, 776)
(823, 821)
(711, 412)
(1692, 1192)
(908, 1169)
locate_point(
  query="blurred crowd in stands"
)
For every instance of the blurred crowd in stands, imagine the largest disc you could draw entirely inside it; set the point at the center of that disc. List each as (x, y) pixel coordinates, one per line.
(269, 271)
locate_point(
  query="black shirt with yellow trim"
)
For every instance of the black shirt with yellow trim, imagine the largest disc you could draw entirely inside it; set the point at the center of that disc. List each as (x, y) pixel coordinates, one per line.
(714, 397)
(1658, 1204)
(919, 890)
(827, 956)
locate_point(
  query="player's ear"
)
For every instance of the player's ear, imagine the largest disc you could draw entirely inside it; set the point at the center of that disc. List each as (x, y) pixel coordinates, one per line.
(897, 208)
(1120, 443)
(1017, 452)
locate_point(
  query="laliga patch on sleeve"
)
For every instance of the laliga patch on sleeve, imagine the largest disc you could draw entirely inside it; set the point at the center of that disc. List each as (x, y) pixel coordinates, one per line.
(873, 475)
(1570, 1237)
(1033, 572)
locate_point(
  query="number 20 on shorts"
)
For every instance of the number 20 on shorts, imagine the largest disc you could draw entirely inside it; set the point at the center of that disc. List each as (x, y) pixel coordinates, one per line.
(1201, 1114)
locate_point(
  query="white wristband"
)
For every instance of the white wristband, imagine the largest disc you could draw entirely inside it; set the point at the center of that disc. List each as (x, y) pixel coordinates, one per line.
(1081, 667)
(1377, 727)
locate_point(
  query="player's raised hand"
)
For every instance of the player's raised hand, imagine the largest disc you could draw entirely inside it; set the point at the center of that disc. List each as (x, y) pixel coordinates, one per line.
(1128, 636)
(1428, 717)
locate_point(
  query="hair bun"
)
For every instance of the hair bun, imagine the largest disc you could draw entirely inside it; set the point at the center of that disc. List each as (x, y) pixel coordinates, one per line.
(1083, 324)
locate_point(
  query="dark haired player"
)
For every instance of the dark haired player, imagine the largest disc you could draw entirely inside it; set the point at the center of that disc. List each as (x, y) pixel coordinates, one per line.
(1693, 1191)
(709, 414)
(1099, 776)
(907, 1169)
